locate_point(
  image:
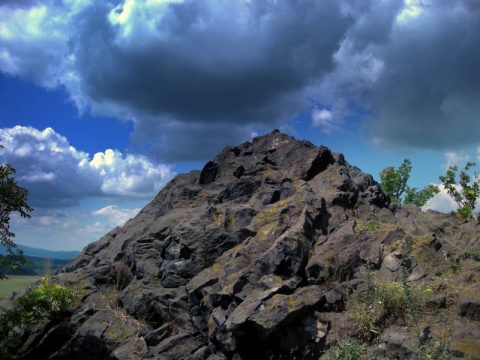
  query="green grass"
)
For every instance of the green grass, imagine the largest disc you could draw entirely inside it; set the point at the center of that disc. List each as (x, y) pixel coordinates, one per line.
(15, 283)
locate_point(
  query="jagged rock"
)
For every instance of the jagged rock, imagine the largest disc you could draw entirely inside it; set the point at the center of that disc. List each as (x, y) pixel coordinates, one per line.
(392, 262)
(466, 339)
(398, 344)
(181, 346)
(469, 303)
(253, 257)
(132, 350)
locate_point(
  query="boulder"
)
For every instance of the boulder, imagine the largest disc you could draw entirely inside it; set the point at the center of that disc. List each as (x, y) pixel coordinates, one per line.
(469, 302)
(465, 340)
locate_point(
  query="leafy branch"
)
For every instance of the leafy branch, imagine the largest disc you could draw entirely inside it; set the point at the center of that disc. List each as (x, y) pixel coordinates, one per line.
(466, 197)
(13, 198)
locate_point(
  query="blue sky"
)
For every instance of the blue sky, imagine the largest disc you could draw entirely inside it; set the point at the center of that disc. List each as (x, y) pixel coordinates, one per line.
(102, 103)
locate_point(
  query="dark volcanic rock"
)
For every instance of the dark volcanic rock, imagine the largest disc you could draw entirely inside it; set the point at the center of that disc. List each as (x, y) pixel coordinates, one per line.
(250, 258)
(469, 303)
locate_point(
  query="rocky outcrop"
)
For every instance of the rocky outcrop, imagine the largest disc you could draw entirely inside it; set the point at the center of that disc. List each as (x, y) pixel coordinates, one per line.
(254, 257)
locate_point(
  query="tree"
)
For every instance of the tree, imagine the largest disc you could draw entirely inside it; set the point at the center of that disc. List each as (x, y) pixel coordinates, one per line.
(13, 198)
(420, 197)
(393, 182)
(466, 198)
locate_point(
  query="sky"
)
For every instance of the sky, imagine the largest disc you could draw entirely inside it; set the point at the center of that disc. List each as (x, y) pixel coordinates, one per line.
(102, 103)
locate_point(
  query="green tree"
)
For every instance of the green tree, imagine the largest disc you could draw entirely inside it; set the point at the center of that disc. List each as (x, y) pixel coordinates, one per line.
(13, 198)
(420, 197)
(466, 198)
(393, 182)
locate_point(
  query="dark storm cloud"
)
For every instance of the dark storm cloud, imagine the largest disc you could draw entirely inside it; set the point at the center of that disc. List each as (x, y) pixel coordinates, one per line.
(176, 140)
(197, 75)
(426, 93)
(19, 3)
(429, 94)
(241, 66)
(214, 73)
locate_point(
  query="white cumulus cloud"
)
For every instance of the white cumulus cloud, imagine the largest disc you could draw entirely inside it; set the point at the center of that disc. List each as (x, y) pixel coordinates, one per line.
(442, 202)
(324, 119)
(58, 174)
(115, 215)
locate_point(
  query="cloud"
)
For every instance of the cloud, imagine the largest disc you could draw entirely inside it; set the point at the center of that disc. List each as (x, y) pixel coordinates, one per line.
(183, 69)
(69, 228)
(441, 202)
(412, 66)
(53, 229)
(57, 175)
(330, 121)
(115, 215)
(178, 67)
(455, 159)
(128, 175)
(324, 119)
(421, 75)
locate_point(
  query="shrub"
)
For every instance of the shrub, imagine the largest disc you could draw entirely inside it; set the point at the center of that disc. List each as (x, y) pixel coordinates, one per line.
(47, 300)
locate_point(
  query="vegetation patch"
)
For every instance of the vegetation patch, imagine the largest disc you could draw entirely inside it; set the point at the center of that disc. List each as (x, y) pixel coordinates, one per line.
(380, 302)
(367, 226)
(473, 252)
(47, 300)
(348, 348)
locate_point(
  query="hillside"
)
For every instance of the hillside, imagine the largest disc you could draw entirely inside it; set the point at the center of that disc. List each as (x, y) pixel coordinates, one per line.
(276, 249)
(49, 254)
(39, 259)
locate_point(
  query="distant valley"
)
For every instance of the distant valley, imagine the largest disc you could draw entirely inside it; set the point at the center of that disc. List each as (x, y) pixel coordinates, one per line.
(51, 254)
(40, 260)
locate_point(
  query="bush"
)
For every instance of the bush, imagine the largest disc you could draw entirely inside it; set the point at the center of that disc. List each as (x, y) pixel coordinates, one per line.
(47, 300)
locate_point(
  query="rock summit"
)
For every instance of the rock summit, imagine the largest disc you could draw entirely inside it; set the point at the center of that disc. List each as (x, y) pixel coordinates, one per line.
(254, 257)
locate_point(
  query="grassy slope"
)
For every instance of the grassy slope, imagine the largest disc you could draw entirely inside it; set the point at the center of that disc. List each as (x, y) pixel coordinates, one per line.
(15, 283)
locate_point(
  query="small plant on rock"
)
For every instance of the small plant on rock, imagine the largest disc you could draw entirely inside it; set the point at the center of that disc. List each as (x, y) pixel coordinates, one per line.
(347, 349)
(369, 226)
(378, 301)
(436, 350)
